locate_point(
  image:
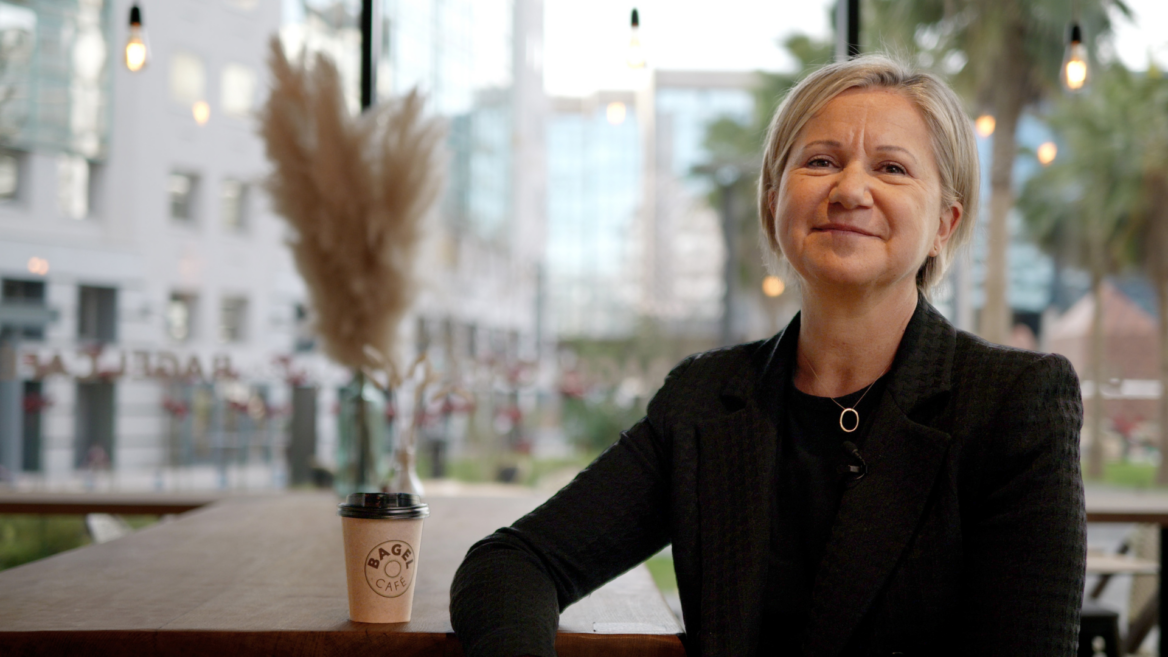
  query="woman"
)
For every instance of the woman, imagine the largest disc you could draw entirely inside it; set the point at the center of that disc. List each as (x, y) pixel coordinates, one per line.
(870, 481)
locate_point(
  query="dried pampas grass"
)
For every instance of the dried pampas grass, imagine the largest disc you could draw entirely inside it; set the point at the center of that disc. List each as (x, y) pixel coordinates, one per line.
(355, 190)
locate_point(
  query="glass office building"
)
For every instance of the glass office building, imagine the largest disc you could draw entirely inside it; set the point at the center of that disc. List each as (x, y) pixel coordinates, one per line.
(55, 80)
(630, 231)
(683, 274)
(594, 184)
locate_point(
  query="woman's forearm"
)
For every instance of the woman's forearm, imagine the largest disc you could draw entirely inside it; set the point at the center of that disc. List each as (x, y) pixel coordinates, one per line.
(502, 602)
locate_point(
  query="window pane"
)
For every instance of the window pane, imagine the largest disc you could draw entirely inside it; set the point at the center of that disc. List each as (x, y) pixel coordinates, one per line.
(305, 336)
(73, 186)
(9, 176)
(233, 319)
(22, 291)
(180, 315)
(17, 292)
(97, 313)
(188, 80)
(238, 90)
(182, 190)
(234, 205)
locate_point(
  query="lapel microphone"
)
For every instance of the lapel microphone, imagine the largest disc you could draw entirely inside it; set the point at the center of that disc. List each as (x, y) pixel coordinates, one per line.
(856, 468)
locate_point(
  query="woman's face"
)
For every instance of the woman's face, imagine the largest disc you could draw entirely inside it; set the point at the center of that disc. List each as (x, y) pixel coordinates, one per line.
(859, 204)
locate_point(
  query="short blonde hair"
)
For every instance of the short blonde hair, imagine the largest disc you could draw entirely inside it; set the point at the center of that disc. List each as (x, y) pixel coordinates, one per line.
(954, 146)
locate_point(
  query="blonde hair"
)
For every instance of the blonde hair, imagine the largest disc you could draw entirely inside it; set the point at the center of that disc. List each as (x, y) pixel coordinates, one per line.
(954, 146)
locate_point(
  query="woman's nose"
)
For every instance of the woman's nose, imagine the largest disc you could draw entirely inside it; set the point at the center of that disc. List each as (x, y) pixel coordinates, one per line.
(851, 189)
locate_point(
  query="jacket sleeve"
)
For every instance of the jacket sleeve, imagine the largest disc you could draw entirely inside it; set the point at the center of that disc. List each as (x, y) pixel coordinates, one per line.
(1025, 536)
(509, 591)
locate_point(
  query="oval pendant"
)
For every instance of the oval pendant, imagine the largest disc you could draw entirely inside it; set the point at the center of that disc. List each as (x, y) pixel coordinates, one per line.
(845, 414)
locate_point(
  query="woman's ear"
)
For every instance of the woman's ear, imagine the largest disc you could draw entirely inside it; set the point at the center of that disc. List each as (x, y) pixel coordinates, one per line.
(950, 219)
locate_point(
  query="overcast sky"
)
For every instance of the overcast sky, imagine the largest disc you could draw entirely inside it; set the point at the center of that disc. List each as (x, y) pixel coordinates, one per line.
(586, 42)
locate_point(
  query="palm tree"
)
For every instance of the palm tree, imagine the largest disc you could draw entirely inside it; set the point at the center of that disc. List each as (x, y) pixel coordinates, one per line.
(1096, 201)
(1002, 56)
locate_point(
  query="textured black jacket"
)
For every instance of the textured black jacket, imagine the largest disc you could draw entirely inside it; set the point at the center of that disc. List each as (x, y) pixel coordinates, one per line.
(966, 537)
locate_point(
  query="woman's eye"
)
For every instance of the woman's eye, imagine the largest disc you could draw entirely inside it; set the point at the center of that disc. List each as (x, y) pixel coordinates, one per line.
(818, 162)
(895, 168)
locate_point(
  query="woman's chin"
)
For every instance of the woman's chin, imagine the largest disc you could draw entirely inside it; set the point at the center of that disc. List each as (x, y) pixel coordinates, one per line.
(843, 280)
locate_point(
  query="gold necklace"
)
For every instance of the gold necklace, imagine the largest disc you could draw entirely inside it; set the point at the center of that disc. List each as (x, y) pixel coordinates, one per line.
(852, 409)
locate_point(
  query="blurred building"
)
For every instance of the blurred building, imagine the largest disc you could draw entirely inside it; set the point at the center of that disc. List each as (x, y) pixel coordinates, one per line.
(1131, 363)
(151, 315)
(631, 232)
(594, 191)
(132, 218)
(684, 251)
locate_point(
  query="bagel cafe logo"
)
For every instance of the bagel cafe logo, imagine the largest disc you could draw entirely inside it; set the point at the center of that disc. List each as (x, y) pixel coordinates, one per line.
(389, 568)
(96, 363)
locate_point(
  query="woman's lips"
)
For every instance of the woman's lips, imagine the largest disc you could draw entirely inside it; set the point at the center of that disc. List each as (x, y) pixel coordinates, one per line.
(842, 228)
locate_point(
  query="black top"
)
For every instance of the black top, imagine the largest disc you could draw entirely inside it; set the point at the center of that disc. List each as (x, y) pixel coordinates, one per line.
(810, 481)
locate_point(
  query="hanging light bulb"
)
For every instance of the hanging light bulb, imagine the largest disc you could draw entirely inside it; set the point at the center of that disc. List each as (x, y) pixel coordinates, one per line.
(1074, 71)
(137, 52)
(636, 58)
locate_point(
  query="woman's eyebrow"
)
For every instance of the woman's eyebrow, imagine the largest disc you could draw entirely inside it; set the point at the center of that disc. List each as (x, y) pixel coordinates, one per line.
(823, 142)
(831, 143)
(898, 149)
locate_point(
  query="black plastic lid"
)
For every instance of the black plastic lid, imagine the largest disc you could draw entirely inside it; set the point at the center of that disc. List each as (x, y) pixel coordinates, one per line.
(396, 506)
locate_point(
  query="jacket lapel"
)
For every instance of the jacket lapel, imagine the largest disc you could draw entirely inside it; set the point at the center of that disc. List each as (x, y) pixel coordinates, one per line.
(736, 491)
(879, 514)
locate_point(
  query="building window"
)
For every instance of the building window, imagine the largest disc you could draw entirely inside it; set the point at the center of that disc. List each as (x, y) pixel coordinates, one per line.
(34, 401)
(188, 79)
(19, 295)
(94, 425)
(234, 204)
(10, 171)
(73, 188)
(237, 90)
(305, 337)
(97, 314)
(22, 291)
(180, 316)
(233, 319)
(182, 196)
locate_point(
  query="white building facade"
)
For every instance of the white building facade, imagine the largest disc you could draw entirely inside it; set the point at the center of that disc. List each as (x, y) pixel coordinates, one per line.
(153, 323)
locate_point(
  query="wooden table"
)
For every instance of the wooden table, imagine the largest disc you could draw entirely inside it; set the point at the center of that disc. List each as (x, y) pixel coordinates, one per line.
(264, 575)
(1108, 505)
(121, 503)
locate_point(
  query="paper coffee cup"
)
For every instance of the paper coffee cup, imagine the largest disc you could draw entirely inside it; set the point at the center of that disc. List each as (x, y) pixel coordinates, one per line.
(383, 535)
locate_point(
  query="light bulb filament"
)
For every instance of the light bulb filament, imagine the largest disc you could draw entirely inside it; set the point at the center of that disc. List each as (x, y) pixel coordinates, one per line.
(135, 51)
(1076, 72)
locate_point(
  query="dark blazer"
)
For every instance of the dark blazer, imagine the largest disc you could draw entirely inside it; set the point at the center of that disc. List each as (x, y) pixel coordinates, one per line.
(966, 536)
